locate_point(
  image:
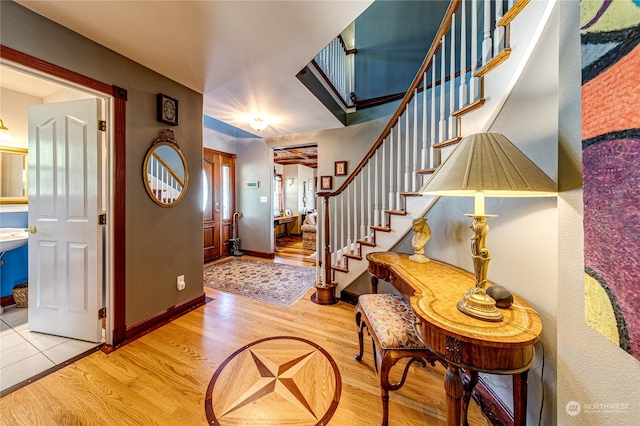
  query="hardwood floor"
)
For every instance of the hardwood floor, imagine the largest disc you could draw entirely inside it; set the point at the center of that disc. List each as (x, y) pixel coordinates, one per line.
(290, 251)
(162, 378)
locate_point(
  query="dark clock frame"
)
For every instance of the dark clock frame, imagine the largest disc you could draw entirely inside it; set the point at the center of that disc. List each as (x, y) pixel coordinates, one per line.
(161, 116)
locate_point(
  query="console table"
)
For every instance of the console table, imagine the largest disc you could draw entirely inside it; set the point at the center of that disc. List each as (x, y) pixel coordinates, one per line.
(465, 344)
(283, 220)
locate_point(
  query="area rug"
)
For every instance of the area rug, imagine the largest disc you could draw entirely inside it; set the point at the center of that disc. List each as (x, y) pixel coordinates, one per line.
(274, 283)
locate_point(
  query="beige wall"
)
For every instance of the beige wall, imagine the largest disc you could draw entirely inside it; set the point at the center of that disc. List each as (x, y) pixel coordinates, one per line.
(14, 112)
(161, 243)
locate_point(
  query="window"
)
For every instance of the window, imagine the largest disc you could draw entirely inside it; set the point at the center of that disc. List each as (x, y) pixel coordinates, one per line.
(226, 192)
(277, 195)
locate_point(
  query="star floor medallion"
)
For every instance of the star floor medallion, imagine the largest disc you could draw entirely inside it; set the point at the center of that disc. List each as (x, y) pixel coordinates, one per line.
(275, 381)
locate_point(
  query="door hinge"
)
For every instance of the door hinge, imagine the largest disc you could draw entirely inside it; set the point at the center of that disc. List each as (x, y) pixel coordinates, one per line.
(102, 313)
(102, 219)
(102, 125)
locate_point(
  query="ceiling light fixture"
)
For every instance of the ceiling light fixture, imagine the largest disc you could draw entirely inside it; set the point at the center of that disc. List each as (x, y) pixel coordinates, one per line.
(5, 136)
(258, 123)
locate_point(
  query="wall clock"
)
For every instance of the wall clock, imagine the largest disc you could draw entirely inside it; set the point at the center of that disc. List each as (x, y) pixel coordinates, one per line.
(167, 109)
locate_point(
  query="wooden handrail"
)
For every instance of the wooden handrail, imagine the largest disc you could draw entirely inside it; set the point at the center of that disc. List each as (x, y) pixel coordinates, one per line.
(454, 5)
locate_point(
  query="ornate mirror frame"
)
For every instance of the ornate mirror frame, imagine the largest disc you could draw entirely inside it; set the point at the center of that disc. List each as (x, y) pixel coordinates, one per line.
(165, 173)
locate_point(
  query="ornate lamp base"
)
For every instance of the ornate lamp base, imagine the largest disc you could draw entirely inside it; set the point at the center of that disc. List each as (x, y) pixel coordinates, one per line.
(479, 305)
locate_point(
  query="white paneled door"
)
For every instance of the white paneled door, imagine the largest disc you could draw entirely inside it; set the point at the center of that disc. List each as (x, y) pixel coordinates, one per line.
(66, 153)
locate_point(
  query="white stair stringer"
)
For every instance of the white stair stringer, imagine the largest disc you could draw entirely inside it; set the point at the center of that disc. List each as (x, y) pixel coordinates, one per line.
(385, 241)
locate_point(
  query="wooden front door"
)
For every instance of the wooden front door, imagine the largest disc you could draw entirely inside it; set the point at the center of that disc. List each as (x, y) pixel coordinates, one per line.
(219, 170)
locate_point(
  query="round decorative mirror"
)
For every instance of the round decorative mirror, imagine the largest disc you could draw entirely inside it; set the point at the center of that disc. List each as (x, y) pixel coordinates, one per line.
(165, 172)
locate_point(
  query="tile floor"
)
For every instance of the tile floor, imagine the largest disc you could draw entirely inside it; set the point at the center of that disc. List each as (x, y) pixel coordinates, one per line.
(24, 354)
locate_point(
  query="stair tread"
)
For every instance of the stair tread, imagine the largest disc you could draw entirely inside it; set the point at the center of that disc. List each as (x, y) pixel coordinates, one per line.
(353, 256)
(426, 171)
(366, 243)
(493, 63)
(396, 212)
(340, 268)
(411, 194)
(471, 107)
(381, 228)
(448, 142)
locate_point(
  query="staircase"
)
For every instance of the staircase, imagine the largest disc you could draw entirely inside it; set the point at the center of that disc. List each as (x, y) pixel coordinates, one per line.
(480, 50)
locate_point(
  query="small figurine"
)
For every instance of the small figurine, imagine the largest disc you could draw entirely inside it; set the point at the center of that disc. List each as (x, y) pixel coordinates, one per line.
(421, 234)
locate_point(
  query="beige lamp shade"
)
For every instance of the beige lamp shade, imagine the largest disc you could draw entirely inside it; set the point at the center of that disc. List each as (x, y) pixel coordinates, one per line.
(491, 164)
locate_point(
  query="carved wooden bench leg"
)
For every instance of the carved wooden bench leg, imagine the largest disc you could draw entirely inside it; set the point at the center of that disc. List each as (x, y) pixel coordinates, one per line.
(360, 325)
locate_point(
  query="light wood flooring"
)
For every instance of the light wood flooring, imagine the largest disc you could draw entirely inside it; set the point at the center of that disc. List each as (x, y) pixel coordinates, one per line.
(162, 378)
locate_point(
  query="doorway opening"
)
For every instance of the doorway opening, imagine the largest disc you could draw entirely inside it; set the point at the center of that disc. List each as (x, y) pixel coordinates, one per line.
(27, 353)
(294, 188)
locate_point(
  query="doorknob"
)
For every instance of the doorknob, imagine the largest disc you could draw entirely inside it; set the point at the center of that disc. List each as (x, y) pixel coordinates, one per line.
(31, 229)
(217, 210)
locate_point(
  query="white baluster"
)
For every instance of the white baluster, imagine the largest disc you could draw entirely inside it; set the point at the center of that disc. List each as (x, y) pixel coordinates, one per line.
(376, 210)
(319, 245)
(354, 201)
(423, 163)
(399, 168)
(486, 41)
(463, 56)
(369, 197)
(473, 81)
(363, 233)
(341, 245)
(407, 151)
(414, 175)
(442, 134)
(333, 224)
(337, 248)
(348, 221)
(452, 79)
(432, 156)
(383, 184)
(498, 32)
(391, 168)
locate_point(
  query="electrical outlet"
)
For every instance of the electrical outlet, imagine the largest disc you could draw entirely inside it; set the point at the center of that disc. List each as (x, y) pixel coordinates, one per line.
(180, 284)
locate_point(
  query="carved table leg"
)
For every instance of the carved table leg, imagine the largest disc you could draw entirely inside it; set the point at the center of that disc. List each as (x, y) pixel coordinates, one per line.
(520, 399)
(454, 388)
(470, 383)
(374, 284)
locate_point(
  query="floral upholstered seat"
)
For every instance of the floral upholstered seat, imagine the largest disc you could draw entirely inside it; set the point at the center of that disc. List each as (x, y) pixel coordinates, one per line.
(392, 320)
(391, 324)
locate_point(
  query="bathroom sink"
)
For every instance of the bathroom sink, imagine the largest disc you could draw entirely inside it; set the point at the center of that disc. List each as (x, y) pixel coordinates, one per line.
(11, 238)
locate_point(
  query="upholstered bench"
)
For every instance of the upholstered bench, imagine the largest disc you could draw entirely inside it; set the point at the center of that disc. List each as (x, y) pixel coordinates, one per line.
(390, 321)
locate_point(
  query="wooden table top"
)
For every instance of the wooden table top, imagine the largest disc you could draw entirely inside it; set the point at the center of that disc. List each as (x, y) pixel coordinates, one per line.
(284, 219)
(434, 289)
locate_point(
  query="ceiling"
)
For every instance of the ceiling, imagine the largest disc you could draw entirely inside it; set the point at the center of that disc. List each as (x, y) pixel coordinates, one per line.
(305, 155)
(243, 56)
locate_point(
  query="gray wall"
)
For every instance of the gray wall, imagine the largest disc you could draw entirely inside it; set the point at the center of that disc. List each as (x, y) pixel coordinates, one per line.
(255, 162)
(161, 243)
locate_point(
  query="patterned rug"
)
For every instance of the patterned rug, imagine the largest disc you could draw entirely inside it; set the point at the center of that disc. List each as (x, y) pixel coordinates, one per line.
(274, 283)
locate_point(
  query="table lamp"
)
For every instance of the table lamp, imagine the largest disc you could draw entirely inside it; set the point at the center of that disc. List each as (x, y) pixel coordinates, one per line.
(486, 164)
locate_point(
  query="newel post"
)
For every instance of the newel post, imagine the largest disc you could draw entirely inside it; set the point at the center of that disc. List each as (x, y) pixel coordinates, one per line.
(326, 289)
